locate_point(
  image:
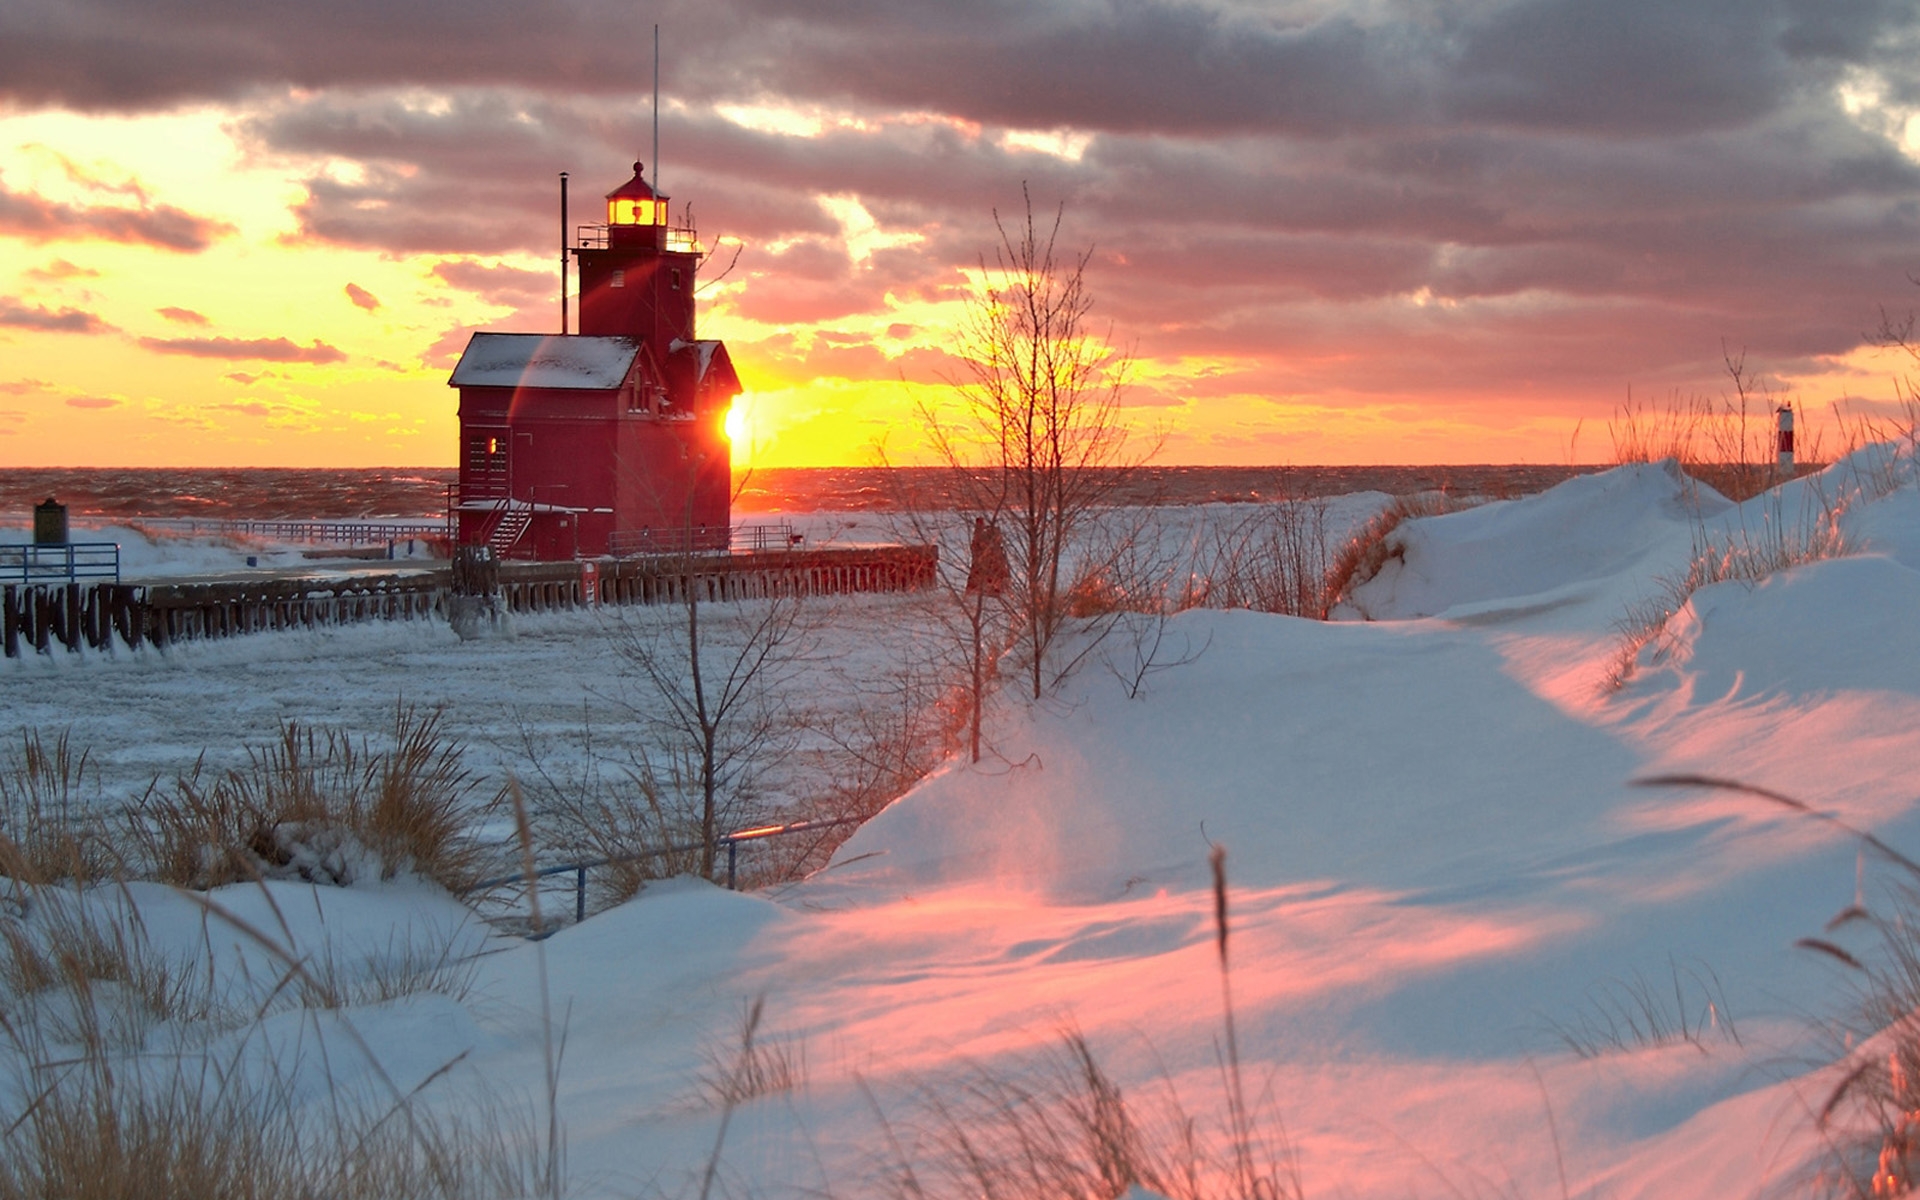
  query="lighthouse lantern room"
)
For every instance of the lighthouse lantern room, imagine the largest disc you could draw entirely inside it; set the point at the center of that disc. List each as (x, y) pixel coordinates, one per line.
(611, 440)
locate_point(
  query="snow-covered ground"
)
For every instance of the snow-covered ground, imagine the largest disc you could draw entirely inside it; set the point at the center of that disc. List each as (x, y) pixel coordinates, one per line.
(163, 551)
(1442, 873)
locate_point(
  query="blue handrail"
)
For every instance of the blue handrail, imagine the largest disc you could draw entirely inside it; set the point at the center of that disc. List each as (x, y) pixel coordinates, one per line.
(731, 841)
(32, 562)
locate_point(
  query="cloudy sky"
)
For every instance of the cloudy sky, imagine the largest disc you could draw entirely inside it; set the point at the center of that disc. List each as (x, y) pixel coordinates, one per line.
(259, 231)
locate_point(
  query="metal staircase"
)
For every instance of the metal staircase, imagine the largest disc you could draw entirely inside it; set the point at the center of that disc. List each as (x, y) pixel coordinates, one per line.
(506, 531)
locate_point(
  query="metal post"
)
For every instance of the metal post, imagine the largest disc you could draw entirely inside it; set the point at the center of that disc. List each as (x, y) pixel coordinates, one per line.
(733, 859)
(656, 110)
(563, 254)
(580, 895)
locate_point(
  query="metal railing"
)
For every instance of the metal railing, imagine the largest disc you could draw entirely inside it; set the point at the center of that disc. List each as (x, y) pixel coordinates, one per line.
(66, 562)
(638, 543)
(765, 536)
(731, 841)
(682, 238)
(341, 533)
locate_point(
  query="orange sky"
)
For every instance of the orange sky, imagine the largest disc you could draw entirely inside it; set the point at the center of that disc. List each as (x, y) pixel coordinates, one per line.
(257, 271)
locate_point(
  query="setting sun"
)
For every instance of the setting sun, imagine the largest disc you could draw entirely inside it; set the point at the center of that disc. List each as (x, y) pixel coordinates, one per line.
(229, 261)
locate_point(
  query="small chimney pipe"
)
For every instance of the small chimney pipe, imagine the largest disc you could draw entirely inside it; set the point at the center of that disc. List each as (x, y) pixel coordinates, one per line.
(563, 254)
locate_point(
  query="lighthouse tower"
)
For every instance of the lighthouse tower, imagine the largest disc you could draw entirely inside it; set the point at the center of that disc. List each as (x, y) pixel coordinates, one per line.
(638, 281)
(611, 440)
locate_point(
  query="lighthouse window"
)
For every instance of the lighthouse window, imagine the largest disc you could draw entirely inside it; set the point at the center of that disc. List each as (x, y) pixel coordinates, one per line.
(619, 279)
(676, 279)
(486, 455)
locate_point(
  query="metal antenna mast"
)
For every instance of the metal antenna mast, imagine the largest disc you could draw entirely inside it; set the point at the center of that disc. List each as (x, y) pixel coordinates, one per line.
(656, 110)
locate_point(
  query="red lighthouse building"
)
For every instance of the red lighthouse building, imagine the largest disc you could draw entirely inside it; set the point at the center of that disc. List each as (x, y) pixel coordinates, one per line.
(611, 440)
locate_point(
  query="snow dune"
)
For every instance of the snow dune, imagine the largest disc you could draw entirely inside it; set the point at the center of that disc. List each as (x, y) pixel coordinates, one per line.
(1442, 872)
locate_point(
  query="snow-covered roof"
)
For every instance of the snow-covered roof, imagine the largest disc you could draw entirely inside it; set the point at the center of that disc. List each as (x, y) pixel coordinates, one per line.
(702, 350)
(704, 355)
(540, 360)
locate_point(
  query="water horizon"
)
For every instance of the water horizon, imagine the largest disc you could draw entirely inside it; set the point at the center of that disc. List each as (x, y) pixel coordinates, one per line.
(270, 493)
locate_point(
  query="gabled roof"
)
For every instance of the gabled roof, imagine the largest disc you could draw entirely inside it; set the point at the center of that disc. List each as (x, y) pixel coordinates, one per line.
(540, 360)
(709, 365)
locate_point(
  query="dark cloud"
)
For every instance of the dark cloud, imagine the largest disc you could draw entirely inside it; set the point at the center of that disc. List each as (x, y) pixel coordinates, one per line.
(118, 54)
(183, 316)
(1158, 66)
(264, 349)
(362, 298)
(37, 219)
(1650, 66)
(1848, 30)
(19, 315)
(1511, 192)
(1787, 228)
(480, 175)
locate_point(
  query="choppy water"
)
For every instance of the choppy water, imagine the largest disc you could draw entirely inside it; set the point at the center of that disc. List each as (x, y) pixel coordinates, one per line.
(268, 493)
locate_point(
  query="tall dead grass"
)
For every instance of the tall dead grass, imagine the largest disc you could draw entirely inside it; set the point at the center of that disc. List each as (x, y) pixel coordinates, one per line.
(160, 1129)
(49, 801)
(1368, 551)
(1747, 554)
(1727, 443)
(77, 967)
(319, 806)
(752, 1064)
(1870, 1118)
(91, 1110)
(622, 816)
(1275, 559)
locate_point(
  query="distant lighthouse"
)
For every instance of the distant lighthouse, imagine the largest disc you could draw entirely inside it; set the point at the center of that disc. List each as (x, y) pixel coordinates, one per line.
(610, 440)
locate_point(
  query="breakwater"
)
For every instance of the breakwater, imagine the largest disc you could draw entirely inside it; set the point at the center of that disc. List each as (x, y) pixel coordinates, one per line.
(41, 618)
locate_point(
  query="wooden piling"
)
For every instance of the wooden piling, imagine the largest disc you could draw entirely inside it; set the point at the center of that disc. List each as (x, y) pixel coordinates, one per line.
(96, 616)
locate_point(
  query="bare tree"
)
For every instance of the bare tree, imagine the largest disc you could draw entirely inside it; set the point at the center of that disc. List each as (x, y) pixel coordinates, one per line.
(972, 617)
(718, 673)
(716, 676)
(1040, 443)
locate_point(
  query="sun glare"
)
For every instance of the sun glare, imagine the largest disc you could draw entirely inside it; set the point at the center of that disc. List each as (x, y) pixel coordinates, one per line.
(736, 427)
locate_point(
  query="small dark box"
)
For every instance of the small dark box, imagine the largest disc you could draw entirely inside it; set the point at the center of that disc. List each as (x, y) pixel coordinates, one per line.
(50, 523)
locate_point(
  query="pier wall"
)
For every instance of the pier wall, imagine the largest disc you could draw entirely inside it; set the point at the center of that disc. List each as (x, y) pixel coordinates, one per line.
(40, 618)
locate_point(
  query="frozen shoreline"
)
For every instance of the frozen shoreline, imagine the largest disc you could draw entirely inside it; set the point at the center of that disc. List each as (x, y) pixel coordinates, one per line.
(1442, 873)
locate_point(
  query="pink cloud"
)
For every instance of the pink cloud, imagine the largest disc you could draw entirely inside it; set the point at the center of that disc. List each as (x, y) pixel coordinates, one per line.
(265, 349)
(37, 219)
(66, 320)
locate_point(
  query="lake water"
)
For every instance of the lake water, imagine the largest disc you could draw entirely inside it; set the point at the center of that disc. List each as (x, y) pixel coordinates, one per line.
(421, 492)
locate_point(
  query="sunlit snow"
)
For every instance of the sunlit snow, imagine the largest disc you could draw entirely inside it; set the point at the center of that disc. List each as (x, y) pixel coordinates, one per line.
(1442, 870)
